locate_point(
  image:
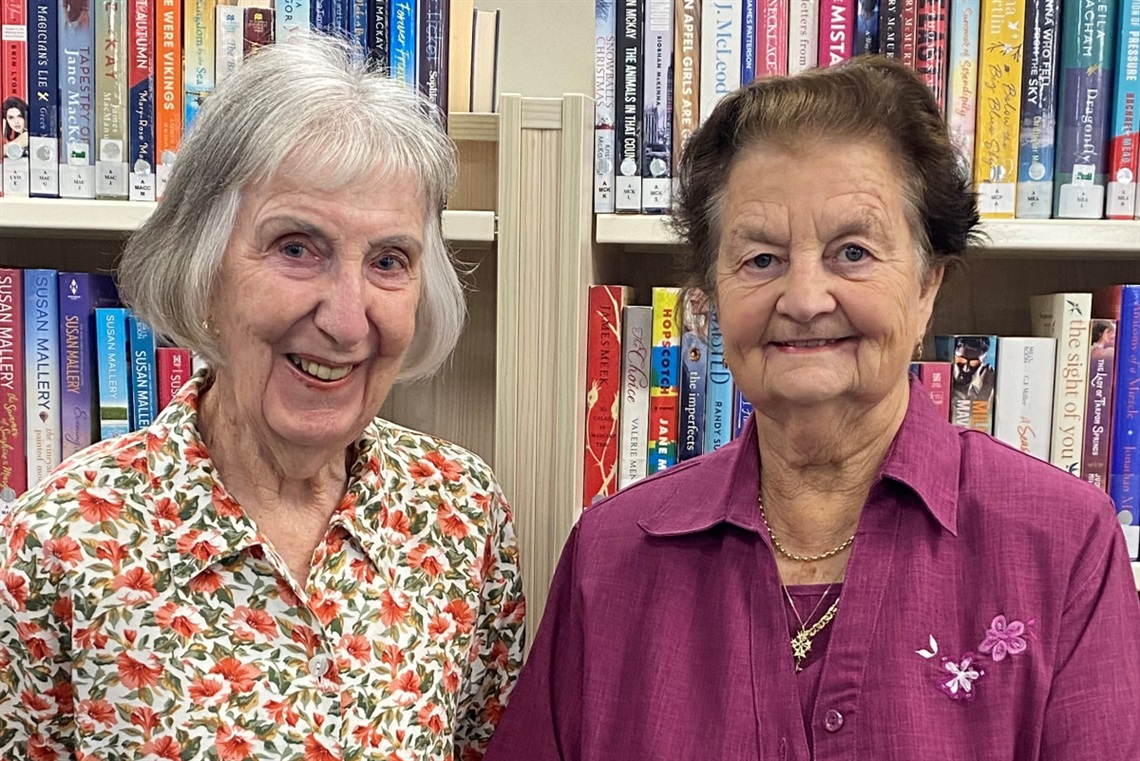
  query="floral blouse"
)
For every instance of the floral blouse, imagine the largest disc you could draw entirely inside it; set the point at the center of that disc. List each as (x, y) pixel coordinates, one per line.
(143, 615)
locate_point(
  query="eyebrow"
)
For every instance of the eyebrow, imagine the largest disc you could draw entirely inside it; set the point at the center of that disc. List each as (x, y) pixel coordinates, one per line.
(397, 240)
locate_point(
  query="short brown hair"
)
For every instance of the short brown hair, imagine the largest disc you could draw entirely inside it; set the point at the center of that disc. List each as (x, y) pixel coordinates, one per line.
(871, 98)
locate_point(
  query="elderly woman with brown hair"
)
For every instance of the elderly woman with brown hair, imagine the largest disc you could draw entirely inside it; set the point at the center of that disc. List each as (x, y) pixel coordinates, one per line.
(853, 577)
(269, 571)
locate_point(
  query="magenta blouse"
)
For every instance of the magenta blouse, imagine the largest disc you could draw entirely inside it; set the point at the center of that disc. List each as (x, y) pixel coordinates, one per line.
(988, 611)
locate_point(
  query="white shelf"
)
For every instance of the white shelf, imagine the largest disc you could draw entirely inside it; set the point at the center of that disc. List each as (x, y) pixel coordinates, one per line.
(65, 218)
(1035, 237)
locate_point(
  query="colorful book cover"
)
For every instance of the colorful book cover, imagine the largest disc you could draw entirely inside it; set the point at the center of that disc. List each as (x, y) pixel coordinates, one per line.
(43, 85)
(836, 31)
(627, 135)
(803, 35)
(664, 380)
(686, 73)
(114, 372)
(1088, 34)
(720, 50)
(772, 38)
(741, 410)
(1124, 139)
(718, 391)
(694, 370)
(168, 111)
(748, 37)
(80, 294)
(1098, 413)
(867, 27)
(77, 100)
(173, 367)
(1038, 111)
(603, 391)
(41, 362)
(1023, 417)
(935, 378)
(973, 376)
(292, 18)
(140, 343)
(198, 73)
(962, 87)
(432, 66)
(605, 62)
(656, 126)
(999, 106)
(111, 99)
(403, 54)
(257, 30)
(14, 94)
(932, 46)
(1065, 317)
(636, 352)
(13, 441)
(140, 77)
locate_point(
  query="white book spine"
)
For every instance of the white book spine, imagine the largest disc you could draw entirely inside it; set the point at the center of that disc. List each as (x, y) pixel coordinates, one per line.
(633, 440)
(803, 35)
(291, 19)
(1023, 417)
(1065, 317)
(721, 27)
(605, 60)
(229, 38)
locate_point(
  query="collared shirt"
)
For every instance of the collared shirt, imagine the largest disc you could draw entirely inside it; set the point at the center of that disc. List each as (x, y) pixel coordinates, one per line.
(144, 615)
(988, 611)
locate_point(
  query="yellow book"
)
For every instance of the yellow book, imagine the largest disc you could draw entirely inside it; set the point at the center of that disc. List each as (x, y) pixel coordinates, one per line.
(999, 107)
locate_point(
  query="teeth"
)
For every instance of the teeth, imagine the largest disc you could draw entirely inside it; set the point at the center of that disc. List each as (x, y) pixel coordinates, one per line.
(317, 370)
(809, 344)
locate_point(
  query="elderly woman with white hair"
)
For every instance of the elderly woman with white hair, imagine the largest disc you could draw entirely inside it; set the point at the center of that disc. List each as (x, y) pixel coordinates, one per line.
(269, 570)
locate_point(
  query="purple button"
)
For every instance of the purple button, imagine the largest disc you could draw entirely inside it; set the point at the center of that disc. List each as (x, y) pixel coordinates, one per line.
(833, 721)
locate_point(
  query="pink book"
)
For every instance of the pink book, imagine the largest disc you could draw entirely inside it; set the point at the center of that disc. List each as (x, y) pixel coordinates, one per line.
(771, 37)
(836, 31)
(13, 459)
(935, 377)
(173, 371)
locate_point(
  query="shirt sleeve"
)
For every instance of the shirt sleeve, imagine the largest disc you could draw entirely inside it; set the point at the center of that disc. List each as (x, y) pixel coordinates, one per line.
(35, 674)
(543, 722)
(499, 638)
(1093, 710)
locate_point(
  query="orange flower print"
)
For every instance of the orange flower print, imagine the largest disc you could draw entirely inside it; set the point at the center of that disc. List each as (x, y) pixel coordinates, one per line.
(405, 688)
(367, 736)
(423, 471)
(451, 677)
(451, 523)
(233, 743)
(183, 619)
(99, 504)
(393, 656)
(209, 691)
(449, 469)
(131, 459)
(16, 589)
(315, 751)
(326, 605)
(357, 648)
(462, 613)
(303, 635)
(399, 529)
(202, 545)
(35, 702)
(428, 559)
(207, 582)
(166, 516)
(224, 504)
(113, 552)
(134, 673)
(165, 747)
(95, 712)
(63, 693)
(483, 500)
(90, 638)
(282, 712)
(135, 586)
(40, 749)
(242, 677)
(363, 570)
(17, 535)
(61, 553)
(431, 717)
(145, 719)
(38, 648)
(442, 627)
(394, 607)
(493, 711)
(251, 625)
(62, 610)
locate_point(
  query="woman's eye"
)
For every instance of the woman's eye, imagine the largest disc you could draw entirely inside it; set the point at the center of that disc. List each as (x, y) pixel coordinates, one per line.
(389, 263)
(293, 250)
(853, 253)
(762, 261)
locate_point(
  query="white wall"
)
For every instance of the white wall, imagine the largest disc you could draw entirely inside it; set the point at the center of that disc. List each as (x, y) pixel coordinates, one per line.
(546, 47)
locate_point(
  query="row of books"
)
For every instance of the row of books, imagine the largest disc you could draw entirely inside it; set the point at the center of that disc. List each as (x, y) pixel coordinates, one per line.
(75, 368)
(659, 391)
(1040, 96)
(96, 96)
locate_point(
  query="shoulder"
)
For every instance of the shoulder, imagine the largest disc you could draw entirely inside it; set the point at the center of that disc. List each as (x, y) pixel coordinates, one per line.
(426, 457)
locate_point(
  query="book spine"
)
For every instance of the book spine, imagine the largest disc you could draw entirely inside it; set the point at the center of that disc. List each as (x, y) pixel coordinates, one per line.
(1023, 417)
(637, 352)
(432, 68)
(403, 54)
(229, 21)
(803, 35)
(41, 356)
(1065, 317)
(321, 14)
(1098, 411)
(973, 361)
(358, 24)
(932, 47)
(686, 73)
(664, 381)
(292, 17)
(76, 73)
(43, 72)
(890, 27)
(836, 31)
(173, 366)
(257, 30)
(1124, 469)
(603, 391)
(605, 61)
(14, 91)
(627, 181)
(114, 372)
(198, 74)
(867, 27)
(999, 103)
(13, 440)
(748, 37)
(962, 96)
(141, 343)
(168, 113)
(141, 81)
(694, 370)
(908, 32)
(379, 35)
(1038, 111)
(720, 51)
(718, 393)
(772, 38)
(656, 127)
(935, 378)
(75, 336)
(1087, 35)
(741, 409)
(111, 90)
(1124, 140)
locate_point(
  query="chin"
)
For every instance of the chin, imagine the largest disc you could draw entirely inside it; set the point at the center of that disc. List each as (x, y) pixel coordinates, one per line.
(319, 431)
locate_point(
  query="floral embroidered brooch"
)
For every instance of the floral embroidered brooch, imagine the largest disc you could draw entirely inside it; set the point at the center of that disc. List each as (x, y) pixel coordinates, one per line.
(958, 677)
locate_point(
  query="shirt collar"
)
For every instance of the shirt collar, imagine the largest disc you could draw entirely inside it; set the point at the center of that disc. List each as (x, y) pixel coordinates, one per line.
(924, 457)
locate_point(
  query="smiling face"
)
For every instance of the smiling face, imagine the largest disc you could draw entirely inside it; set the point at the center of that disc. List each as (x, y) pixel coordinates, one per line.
(316, 306)
(819, 291)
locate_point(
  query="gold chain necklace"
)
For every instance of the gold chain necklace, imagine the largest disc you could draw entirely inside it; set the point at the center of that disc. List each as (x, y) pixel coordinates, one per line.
(792, 556)
(801, 643)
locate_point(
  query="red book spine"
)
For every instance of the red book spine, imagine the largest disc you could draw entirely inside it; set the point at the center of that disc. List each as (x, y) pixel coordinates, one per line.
(932, 46)
(771, 38)
(603, 391)
(1098, 414)
(935, 378)
(13, 440)
(258, 30)
(173, 371)
(836, 31)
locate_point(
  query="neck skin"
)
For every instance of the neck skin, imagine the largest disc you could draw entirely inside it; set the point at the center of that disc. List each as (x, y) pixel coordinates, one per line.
(818, 466)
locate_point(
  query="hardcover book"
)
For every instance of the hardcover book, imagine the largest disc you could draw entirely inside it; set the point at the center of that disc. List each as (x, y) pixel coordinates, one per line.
(41, 362)
(1065, 317)
(603, 391)
(13, 440)
(114, 372)
(1024, 411)
(1098, 413)
(636, 368)
(1038, 111)
(664, 380)
(973, 378)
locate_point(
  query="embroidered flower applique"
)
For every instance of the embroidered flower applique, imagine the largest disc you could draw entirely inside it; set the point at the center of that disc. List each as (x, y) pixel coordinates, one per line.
(1004, 638)
(959, 676)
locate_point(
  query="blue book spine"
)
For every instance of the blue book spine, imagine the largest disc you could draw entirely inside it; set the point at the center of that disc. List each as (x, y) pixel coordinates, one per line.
(403, 49)
(43, 107)
(748, 43)
(1124, 462)
(114, 372)
(1035, 157)
(694, 370)
(342, 17)
(322, 17)
(718, 391)
(41, 360)
(358, 28)
(77, 151)
(143, 387)
(741, 409)
(292, 17)
(80, 293)
(866, 27)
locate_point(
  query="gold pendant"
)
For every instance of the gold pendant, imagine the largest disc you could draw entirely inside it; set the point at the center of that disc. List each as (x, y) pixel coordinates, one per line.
(801, 646)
